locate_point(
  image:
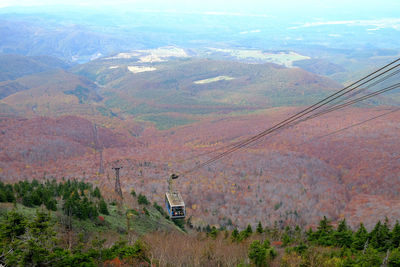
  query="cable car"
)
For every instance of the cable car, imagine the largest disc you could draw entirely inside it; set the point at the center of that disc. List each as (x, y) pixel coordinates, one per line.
(174, 202)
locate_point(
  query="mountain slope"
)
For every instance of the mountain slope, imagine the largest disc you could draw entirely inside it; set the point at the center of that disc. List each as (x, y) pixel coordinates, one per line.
(197, 87)
(15, 66)
(52, 92)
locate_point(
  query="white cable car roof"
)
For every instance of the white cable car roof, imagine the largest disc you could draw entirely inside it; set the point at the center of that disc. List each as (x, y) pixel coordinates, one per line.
(175, 199)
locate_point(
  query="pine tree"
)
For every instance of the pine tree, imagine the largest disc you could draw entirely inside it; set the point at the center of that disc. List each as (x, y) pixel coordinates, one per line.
(343, 236)
(51, 204)
(3, 196)
(323, 235)
(235, 235)
(261, 253)
(27, 200)
(257, 253)
(142, 199)
(380, 236)
(297, 233)
(39, 242)
(103, 207)
(395, 235)
(286, 239)
(96, 192)
(360, 237)
(394, 258)
(10, 197)
(249, 230)
(370, 258)
(310, 234)
(259, 229)
(15, 225)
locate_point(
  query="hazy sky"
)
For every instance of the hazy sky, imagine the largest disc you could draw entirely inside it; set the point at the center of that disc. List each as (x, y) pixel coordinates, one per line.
(219, 4)
(304, 10)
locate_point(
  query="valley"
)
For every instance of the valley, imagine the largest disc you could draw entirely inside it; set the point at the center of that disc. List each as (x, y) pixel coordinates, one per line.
(279, 119)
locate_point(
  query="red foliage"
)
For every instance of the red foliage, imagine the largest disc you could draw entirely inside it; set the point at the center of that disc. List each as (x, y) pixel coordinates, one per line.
(285, 178)
(276, 243)
(116, 262)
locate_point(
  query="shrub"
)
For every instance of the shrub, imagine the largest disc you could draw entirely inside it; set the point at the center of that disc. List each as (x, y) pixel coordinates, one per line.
(133, 193)
(394, 259)
(142, 199)
(261, 253)
(103, 207)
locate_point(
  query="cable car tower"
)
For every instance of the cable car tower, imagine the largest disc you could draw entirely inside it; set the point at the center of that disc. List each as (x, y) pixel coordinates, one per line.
(173, 200)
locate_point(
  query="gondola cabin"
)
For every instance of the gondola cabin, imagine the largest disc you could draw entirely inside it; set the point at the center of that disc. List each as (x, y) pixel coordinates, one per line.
(175, 205)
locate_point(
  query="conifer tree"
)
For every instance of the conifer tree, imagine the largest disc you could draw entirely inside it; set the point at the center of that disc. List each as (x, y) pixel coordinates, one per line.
(261, 253)
(103, 207)
(249, 230)
(323, 234)
(380, 236)
(14, 225)
(394, 258)
(235, 235)
(96, 192)
(343, 235)
(259, 229)
(395, 235)
(360, 237)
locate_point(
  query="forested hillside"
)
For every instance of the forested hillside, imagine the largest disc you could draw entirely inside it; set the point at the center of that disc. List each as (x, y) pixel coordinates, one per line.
(80, 122)
(70, 224)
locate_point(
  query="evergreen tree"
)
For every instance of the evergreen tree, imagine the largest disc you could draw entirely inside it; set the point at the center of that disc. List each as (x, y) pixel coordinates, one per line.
(235, 235)
(14, 226)
(103, 207)
(35, 183)
(371, 257)
(343, 236)
(10, 197)
(259, 229)
(380, 236)
(394, 258)
(12, 230)
(310, 234)
(298, 234)
(286, 240)
(142, 199)
(395, 235)
(360, 238)
(261, 253)
(249, 230)
(96, 192)
(257, 253)
(323, 235)
(3, 196)
(245, 233)
(36, 199)
(51, 204)
(27, 200)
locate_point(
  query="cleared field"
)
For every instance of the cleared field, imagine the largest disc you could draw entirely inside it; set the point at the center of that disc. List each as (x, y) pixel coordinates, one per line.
(215, 79)
(281, 58)
(160, 54)
(138, 69)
